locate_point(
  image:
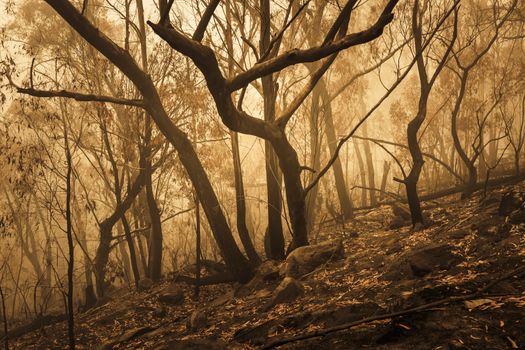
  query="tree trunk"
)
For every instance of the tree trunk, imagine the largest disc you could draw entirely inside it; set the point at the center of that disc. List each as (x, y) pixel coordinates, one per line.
(414, 202)
(370, 168)
(155, 234)
(273, 177)
(315, 156)
(125, 257)
(131, 247)
(417, 160)
(362, 174)
(384, 179)
(71, 248)
(240, 202)
(233, 257)
(342, 193)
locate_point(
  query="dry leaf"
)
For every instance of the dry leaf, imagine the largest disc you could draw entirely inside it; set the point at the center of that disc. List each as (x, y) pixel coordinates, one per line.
(472, 304)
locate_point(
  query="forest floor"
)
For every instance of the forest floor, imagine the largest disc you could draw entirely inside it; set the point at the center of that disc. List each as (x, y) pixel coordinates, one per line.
(384, 271)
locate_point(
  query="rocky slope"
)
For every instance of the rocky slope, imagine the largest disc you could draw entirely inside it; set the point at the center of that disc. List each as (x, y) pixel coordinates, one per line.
(457, 284)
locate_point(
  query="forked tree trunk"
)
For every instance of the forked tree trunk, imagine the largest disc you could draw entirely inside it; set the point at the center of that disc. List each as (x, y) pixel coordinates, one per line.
(275, 236)
(240, 202)
(106, 227)
(155, 238)
(295, 196)
(240, 199)
(132, 251)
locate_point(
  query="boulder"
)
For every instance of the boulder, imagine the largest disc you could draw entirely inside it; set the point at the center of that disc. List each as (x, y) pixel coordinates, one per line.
(401, 211)
(145, 284)
(172, 295)
(197, 320)
(510, 202)
(420, 262)
(287, 291)
(397, 222)
(458, 234)
(426, 260)
(305, 259)
(268, 270)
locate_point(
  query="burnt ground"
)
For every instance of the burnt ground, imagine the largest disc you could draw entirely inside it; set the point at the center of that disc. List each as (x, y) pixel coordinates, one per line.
(466, 246)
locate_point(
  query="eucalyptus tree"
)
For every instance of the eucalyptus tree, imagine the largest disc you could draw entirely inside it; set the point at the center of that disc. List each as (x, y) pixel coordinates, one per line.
(470, 49)
(221, 90)
(426, 83)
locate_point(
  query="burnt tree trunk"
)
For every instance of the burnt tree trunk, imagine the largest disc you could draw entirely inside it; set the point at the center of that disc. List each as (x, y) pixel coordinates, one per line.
(342, 193)
(273, 176)
(370, 168)
(240, 201)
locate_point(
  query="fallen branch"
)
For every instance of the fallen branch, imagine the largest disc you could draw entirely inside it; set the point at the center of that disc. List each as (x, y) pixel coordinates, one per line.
(425, 307)
(36, 324)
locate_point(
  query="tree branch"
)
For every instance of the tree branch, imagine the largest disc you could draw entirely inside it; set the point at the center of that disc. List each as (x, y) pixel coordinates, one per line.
(325, 169)
(206, 17)
(80, 96)
(313, 54)
(428, 155)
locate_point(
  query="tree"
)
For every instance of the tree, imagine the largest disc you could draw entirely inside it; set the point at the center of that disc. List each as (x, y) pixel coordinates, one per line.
(425, 83)
(273, 132)
(465, 61)
(153, 106)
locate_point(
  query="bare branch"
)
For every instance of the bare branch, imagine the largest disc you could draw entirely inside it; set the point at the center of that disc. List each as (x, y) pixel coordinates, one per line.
(206, 17)
(341, 142)
(313, 54)
(80, 96)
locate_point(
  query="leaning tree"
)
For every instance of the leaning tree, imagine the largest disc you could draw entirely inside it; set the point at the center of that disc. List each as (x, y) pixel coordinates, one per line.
(221, 90)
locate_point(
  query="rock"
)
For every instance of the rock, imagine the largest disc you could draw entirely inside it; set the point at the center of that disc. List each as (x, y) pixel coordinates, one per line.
(426, 260)
(223, 299)
(197, 320)
(305, 259)
(397, 222)
(510, 202)
(268, 270)
(145, 284)
(458, 234)
(172, 295)
(402, 211)
(287, 291)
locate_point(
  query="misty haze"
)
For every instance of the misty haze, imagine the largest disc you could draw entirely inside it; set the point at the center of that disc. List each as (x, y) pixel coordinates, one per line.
(260, 174)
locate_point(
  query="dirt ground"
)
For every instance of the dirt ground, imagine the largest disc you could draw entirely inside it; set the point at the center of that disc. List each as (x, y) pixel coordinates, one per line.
(384, 271)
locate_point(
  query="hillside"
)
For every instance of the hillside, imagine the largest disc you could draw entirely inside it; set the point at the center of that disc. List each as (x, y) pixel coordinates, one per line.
(457, 284)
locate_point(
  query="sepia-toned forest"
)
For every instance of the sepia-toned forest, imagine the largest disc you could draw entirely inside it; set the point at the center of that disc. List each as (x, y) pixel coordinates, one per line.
(210, 174)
